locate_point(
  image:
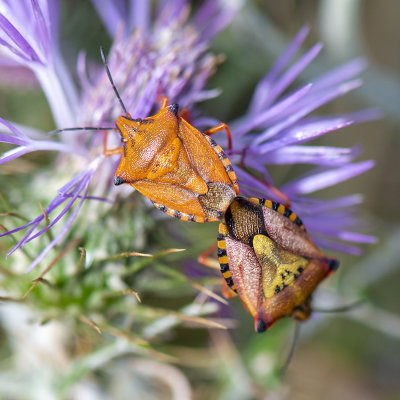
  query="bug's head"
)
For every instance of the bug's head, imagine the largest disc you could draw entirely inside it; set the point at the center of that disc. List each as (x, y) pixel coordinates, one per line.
(127, 127)
(303, 311)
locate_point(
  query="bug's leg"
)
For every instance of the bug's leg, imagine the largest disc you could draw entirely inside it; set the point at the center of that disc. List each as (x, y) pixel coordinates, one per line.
(185, 114)
(226, 291)
(284, 199)
(164, 102)
(205, 259)
(218, 128)
(110, 152)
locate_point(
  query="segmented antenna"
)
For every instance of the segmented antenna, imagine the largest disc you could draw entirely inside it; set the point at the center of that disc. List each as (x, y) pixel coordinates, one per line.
(82, 128)
(283, 368)
(111, 81)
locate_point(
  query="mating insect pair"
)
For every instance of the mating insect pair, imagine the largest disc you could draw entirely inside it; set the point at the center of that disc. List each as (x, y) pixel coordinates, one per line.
(264, 252)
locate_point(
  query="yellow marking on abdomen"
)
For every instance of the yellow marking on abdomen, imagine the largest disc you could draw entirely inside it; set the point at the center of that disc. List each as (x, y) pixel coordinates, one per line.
(268, 203)
(222, 244)
(227, 274)
(223, 260)
(281, 209)
(223, 229)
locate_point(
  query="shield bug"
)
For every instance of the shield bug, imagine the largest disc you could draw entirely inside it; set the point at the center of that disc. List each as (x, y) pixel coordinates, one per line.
(180, 169)
(269, 260)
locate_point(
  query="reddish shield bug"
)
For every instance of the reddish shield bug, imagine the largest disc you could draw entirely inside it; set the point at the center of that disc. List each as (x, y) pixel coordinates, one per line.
(269, 260)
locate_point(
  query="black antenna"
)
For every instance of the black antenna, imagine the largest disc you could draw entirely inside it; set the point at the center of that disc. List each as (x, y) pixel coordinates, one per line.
(111, 80)
(282, 370)
(82, 128)
(345, 308)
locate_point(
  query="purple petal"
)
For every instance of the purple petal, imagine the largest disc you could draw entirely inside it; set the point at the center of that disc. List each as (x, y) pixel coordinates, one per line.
(44, 145)
(301, 134)
(170, 11)
(207, 10)
(63, 194)
(354, 237)
(262, 90)
(337, 247)
(14, 50)
(205, 122)
(111, 13)
(251, 186)
(41, 28)
(71, 202)
(292, 73)
(63, 191)
(139, 16)
(252, 121)
(148, 98)
(78, 184)
(305, 109)
(321, 155)
(38, 146)
(35, 222)
(223, 15)
(367, 115)
(249, 180)
(53, 17)
(55, 203)
(27, 51)
(97, 198)
(22, 241)
(325, 178)
(13, 154)
(4, 138)
(340, 74)
(319, 206)
(13, 129)
(63, 231)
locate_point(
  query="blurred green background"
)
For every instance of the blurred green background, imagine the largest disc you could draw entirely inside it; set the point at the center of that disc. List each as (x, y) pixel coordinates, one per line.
(353, 355)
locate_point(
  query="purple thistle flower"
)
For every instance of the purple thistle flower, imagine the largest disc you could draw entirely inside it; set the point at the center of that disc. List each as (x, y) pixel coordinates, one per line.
(169, 57)
(29, 37)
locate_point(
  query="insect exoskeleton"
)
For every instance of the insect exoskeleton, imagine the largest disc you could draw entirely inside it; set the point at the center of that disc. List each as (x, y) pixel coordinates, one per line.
(269, 260)
(180, 169)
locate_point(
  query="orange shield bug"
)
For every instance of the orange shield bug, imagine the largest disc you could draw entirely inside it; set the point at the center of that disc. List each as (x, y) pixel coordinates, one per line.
(180, 169)
(269, 260)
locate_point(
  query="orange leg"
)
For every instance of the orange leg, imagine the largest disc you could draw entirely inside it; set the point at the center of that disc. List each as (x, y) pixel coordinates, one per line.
(205, 259)
(227, 292)
(218, 128)
(185, 114)
(164, 102)
(110, 152)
